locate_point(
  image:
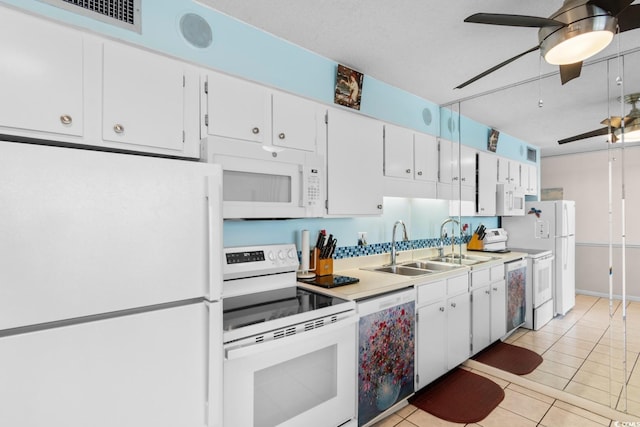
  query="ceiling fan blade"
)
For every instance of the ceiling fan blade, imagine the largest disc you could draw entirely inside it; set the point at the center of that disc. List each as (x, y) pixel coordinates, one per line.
(614, 7)
(597, 132)
(629, 19)
(513, 20)
(494, 68)
(570, 71)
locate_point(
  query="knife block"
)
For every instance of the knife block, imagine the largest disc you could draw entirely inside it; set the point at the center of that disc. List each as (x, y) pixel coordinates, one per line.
(475, 244)
(323, 267)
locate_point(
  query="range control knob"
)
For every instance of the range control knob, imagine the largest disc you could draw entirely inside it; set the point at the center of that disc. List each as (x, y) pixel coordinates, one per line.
(272, 256)
(291, 254)
(280, 254)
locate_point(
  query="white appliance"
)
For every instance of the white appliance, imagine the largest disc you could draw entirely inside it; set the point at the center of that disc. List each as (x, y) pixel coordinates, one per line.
(386, 356)
(509, 200)
(516, 278)
(494, 240)
(550, 225)
(539, 290)
(289, 353)
(106, 260)
(265, 181)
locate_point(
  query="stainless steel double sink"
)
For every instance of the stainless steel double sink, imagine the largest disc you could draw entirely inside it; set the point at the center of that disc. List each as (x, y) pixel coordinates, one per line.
(432, 265)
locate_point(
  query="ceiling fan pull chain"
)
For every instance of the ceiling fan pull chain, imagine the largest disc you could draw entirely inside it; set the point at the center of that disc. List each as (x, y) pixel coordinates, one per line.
(540, 102)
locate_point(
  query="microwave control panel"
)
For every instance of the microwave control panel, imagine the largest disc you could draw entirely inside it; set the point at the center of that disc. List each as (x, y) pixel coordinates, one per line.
(313, 187)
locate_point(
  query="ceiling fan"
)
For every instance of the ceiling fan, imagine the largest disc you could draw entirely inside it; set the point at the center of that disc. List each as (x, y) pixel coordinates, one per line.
(615, 126)
(575, 32)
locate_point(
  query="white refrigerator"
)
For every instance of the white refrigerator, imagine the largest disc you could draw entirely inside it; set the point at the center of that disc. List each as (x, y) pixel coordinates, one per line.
(550, 225)
(110, 284)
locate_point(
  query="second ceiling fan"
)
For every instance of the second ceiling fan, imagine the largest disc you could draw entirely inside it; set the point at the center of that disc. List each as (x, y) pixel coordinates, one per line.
(575, 32)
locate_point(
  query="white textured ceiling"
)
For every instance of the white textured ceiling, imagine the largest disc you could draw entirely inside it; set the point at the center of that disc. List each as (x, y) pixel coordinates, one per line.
(425, 48)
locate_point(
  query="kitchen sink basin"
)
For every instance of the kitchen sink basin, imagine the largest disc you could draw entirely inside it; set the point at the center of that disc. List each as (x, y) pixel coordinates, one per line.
(434, 266)
(402, 270)
(463, 259)
(415, 268)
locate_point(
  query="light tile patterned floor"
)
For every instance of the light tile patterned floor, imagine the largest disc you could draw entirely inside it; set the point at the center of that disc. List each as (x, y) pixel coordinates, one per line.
(577, 349)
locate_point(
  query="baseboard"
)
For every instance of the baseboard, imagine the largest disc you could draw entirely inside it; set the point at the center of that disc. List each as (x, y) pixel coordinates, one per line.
(606, 296)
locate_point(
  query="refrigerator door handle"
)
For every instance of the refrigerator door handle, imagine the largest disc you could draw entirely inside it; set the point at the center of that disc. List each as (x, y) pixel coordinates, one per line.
(214, 222)
(214, 399)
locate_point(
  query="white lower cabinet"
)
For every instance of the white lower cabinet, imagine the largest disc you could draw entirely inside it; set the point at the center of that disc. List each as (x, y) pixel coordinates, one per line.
(488, 307)
(442, 327)
(144, 369)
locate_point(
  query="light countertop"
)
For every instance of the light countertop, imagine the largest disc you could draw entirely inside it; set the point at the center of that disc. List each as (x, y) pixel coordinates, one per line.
(374, 283)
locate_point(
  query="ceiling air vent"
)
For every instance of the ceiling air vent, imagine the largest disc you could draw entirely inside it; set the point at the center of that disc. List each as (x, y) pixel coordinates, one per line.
(123, 13)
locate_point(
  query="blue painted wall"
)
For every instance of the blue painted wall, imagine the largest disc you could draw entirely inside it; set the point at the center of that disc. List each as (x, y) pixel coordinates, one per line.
(245, 51)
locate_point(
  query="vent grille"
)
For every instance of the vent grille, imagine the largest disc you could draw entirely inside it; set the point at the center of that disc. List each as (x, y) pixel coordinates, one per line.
(123, 13)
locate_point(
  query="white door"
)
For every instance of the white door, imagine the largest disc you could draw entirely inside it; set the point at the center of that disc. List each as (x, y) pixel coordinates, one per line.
(85, 232)
(458, 329)
(498, 310)
(143, 98)
(295, 122)
(354, 162)
(307, 379)
(238, 109)
(145, 369)
(41, 75)
(425, 157)
(565, 286)
(481, 318)
(398, 152)
(431, 348)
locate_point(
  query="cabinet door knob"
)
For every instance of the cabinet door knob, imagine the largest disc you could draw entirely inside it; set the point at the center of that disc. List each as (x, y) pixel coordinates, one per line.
(408, 171)
(441, 308)
(464, 179)
(420, 173)
(487, 292)
(281, 135)
(495, 289)
(255, 130)
(453, 304)
(379, 206)
(66, 119)
(118, 128)
(455, 178)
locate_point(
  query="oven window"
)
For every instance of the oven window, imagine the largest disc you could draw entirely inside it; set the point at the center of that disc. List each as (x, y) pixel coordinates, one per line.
(255, 187)
(290, 388)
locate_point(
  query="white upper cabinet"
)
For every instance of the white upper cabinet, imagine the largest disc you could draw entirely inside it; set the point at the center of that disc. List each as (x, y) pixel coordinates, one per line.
(144, 99)
(530, 179)
(354, 164)
(41, 76)
(243, 110)
(467, 166)
(410, 163)
(296, 121)
(425, 160)
(447, 163)
(509, 171)
(237, 108)
(487, 180)
(398, 152)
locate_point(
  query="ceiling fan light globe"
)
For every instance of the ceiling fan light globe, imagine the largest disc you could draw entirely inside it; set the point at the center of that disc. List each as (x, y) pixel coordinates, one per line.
(578, 48)
(631, 133)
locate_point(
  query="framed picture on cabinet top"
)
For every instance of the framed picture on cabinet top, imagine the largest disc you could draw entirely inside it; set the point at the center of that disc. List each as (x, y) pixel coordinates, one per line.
(492, 143)
(348, 90)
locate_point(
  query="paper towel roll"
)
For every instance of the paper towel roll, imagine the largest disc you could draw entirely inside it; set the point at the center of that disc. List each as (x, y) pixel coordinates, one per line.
(304, 248)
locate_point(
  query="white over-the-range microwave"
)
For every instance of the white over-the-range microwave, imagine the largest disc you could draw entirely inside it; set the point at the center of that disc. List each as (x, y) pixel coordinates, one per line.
(264, 181)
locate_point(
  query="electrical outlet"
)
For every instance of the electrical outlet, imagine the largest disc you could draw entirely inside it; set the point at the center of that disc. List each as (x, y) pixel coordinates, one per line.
(362, 238)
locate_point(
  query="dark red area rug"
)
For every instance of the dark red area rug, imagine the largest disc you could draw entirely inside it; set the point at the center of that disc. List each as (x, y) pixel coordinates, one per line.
(460, 397)
(510, 358)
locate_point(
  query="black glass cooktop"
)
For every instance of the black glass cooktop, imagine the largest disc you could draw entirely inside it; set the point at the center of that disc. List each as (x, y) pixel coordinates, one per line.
(260, 307)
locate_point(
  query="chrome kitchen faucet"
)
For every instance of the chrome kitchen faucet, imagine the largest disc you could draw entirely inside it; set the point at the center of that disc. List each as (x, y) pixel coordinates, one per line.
(405, 238)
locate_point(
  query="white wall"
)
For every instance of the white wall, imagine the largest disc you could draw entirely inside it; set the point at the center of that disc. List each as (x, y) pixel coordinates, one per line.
(584, 178)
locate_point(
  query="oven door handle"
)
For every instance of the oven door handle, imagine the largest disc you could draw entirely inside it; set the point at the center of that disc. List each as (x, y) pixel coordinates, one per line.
(232, 353)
